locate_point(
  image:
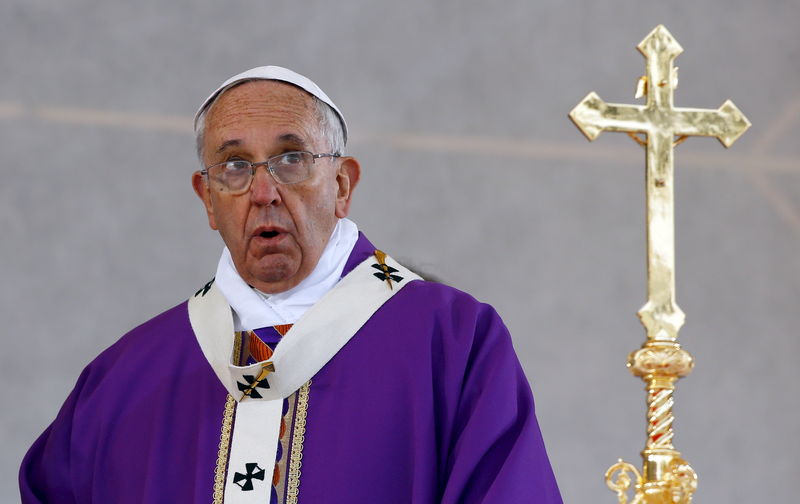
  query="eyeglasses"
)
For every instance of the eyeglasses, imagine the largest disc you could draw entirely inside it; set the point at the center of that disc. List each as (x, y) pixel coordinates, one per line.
(235, 176)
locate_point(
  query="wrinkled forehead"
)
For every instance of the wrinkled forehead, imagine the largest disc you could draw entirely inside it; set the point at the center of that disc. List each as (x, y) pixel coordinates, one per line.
(261, 90)
(265, 96)
(262, 111)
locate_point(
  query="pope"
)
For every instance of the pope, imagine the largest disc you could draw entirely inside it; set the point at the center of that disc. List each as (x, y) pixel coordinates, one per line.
(312, 367)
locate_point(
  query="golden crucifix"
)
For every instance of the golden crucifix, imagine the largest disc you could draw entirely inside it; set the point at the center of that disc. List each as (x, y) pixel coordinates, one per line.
(665, 478)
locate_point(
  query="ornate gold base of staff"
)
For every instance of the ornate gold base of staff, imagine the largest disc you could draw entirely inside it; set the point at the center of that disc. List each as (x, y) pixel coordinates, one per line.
(665, 477)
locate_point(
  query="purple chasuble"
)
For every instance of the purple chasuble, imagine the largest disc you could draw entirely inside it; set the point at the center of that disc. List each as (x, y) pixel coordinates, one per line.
(427, 403)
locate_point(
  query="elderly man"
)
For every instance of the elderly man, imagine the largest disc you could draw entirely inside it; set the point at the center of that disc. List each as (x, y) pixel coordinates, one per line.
(313, 367)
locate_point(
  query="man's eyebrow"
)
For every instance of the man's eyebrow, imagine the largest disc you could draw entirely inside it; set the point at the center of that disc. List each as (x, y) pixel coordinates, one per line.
(229, 143)
(287, 138)
(291, 138)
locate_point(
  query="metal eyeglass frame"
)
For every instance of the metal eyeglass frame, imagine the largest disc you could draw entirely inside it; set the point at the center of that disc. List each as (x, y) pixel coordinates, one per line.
(268, 164)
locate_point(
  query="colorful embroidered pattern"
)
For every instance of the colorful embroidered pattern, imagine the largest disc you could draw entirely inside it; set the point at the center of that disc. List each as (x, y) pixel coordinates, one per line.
(282, 328)
(282, 454)
(259, 350)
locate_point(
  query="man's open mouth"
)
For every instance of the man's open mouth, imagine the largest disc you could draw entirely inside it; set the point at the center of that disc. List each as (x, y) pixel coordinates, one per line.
(269, 234)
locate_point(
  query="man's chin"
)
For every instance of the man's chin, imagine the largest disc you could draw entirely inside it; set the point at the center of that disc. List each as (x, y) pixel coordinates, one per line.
(274, 278)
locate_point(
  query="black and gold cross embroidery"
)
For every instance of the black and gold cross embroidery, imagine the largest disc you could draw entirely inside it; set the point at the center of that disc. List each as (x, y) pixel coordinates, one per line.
(385, 271)
(253, 382)
(204, 290)
(253, 472)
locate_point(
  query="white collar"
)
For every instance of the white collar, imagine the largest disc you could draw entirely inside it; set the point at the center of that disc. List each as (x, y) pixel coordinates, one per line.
(311, 342)
(253, 309)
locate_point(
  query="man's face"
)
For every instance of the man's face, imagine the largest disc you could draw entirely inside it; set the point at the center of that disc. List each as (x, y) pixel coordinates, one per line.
(275, 232)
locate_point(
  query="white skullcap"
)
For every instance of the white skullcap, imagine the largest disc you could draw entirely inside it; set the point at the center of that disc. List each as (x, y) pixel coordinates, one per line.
(273, 73)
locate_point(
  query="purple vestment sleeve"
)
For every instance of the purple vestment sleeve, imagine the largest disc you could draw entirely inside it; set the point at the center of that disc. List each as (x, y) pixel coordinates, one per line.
(45, 473)
(426, 405)
(496, 451)
(142, 424)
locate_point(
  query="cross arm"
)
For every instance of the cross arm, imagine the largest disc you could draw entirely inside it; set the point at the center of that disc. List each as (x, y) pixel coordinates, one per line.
(727, 123)
(593, 116)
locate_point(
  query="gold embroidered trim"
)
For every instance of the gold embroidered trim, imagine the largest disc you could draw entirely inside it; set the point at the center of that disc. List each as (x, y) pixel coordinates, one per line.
(222, 454)
(293, 485)
(236, 358)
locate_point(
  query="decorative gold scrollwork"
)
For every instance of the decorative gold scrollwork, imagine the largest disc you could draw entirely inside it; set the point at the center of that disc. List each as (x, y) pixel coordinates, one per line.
(676, 487)
(618, 479)
(682, 480)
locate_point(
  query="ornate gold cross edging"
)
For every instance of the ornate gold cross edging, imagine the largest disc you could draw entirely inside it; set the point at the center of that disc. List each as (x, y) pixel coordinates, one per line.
(665, 477)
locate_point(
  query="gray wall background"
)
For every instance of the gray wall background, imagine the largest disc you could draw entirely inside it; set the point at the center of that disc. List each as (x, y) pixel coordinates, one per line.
(472, 171)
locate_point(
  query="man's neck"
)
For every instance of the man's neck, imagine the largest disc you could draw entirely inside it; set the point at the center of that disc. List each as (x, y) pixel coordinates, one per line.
(253, 309)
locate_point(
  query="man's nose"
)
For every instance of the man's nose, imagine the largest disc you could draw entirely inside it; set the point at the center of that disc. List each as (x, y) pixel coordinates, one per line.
(264, 188)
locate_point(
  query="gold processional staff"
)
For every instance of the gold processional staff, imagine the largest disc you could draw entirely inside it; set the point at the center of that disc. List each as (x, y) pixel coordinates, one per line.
(665, 477)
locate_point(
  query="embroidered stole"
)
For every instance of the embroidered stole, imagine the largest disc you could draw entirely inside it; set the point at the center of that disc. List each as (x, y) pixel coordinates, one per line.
(269, 395)
(257, 346)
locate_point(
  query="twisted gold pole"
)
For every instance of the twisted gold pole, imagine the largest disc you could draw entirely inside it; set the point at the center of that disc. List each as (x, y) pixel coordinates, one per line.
(666, 478)
(659, 418)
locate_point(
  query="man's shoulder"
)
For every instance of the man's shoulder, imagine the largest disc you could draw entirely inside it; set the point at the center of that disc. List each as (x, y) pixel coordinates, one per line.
(163, 334)
(439, 296)
(444, 327)
(153, 331)
(446, 313)
(427, 296)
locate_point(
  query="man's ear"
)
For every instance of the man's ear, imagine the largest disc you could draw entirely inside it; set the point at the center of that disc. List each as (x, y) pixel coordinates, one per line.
(347, 176)
(200, 185)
